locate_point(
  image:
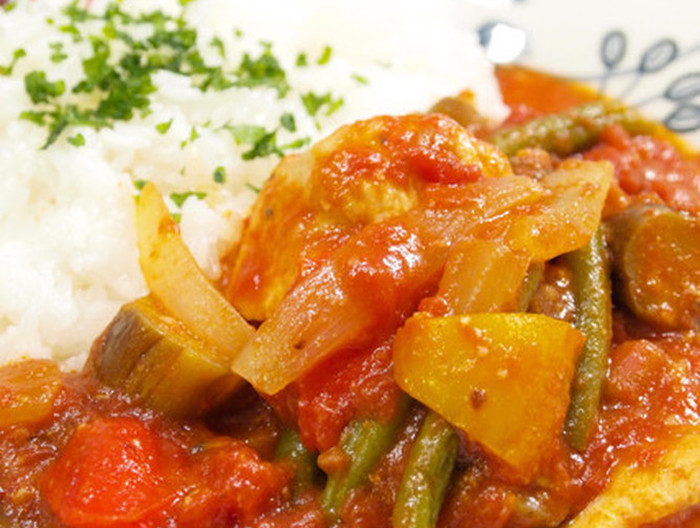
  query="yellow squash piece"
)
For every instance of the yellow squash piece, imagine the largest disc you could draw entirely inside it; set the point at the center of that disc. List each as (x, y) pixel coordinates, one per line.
(501, 378)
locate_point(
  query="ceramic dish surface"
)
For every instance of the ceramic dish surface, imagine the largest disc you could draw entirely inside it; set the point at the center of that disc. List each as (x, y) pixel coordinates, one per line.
(646, 53)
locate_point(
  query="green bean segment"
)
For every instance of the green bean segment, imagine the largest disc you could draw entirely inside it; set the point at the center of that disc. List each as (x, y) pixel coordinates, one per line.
(291, 448)
(570, 131)
(427, 475)
(364, 442)
(592, 292)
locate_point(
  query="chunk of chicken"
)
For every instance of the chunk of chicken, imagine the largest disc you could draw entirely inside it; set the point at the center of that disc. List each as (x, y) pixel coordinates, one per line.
(363, 173)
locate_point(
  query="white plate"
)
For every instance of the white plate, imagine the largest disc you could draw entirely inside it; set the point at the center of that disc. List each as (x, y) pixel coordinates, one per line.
(645, 52)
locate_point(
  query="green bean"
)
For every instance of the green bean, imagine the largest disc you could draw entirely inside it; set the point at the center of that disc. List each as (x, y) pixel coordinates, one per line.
(364, 441)
(290, 448)
(427, 475)
(570, 131)
(533, 278)
(591, 285)
(432, 457)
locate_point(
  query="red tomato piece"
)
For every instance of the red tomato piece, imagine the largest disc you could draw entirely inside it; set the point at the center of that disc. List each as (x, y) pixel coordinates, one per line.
(110, 474)
(348, 384)
(646, 164)
(229, 483)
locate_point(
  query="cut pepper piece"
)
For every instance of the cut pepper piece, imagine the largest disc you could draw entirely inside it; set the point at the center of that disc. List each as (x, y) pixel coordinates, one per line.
(502, 378)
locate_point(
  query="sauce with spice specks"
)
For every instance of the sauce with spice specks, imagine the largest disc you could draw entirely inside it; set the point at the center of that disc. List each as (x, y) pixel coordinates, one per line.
(379, 213)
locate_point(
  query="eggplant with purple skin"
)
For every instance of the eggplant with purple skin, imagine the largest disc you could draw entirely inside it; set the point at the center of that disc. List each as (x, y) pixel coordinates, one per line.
(151, 356)
(657, 261)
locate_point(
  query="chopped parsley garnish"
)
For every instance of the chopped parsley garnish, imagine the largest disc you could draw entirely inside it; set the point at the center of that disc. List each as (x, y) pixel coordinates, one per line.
(325, 56)
(57, 55)
(17, 55)
(72, 30)
(180, 198)
(163, 128)
(57, 119)
(264, 70)
(220, 174)
(297, 143)
(8, 6)
(77, 141)
(287, 121)
(121, 83)
(314, 103)
(265, 146)
(127, 50)
(194, 135)
(246, 134)
(253, 188)
(41, 90)
(75, 13)
(360, 79)
(140, 184)
(263, 142)
(217, 43)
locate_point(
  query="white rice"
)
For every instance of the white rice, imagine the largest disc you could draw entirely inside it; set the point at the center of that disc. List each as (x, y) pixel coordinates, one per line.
(68, 257)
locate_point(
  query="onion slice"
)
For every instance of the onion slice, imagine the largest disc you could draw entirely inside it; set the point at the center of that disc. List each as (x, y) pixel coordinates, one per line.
(373, 281)
(175, 279)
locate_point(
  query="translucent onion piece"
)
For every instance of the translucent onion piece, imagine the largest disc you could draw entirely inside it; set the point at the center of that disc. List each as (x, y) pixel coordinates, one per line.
(175, 279)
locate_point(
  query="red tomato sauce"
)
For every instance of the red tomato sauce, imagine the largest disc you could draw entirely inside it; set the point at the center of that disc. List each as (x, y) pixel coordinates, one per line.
(345, 386)
(529, 94)
(649, 399)
(651, 168)
(99, 461)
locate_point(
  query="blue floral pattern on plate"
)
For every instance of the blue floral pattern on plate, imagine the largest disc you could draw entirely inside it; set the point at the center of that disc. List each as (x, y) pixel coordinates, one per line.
(653, 66)
(681, 91)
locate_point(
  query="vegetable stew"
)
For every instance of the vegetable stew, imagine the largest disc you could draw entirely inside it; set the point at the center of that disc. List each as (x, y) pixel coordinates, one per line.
(428, 321)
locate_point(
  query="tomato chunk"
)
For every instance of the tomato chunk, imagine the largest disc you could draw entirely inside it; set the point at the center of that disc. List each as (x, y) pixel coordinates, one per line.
(349, 384)
(121, 473)
(110, 474)
(229, 483)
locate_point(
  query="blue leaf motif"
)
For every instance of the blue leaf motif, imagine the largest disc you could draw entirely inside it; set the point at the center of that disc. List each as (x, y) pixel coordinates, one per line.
(658, 56)
(613, 49)
(685, 118)
(683, 88)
